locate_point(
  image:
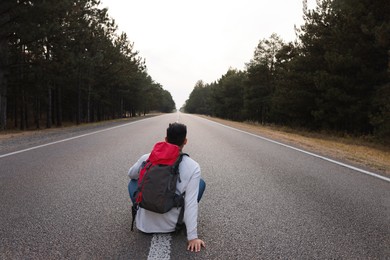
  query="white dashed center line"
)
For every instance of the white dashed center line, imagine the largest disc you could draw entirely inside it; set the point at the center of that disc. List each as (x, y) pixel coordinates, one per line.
(160, 247)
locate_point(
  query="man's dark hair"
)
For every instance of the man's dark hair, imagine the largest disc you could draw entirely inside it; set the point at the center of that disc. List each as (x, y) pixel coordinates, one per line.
(176, 133)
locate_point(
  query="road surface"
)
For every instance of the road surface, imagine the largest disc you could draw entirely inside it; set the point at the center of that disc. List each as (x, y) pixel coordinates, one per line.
(67, 198)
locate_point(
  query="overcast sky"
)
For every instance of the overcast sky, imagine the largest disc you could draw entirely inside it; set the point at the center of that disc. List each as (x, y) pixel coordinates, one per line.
(184, 41)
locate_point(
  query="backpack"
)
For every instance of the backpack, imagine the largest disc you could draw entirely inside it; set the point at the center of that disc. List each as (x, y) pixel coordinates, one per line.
(157, 181)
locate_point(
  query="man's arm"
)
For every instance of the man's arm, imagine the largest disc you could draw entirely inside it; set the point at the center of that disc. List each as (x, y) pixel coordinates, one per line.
(191, 212)
(134, 170)
(191, 204)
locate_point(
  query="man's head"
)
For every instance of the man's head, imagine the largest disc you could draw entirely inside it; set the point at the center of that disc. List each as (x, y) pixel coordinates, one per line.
(176, 134)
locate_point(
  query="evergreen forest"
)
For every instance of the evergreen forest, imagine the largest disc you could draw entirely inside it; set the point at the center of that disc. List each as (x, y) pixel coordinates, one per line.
(64, 61)
(334, 77)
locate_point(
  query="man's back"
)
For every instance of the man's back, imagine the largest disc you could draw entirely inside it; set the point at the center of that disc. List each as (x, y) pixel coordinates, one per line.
(151, 222)
(189, 182)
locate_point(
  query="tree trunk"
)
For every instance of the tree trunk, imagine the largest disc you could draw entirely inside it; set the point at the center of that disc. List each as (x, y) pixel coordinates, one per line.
(89, 104)
(3, 84)
(54, 105)
(99, 112)
(59, 106)
(21, 82)
(120, 108)
(49, 108)
(4, 19)
(37, 113)
(26, 114)
(78, 117)
(22, 112)
(15, 112)
(3, 103)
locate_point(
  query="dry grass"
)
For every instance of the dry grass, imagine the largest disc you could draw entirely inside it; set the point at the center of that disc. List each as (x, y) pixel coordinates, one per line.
(351, 150)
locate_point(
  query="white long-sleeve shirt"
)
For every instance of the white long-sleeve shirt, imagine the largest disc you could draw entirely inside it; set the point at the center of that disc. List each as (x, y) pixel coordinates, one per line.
(151, 222)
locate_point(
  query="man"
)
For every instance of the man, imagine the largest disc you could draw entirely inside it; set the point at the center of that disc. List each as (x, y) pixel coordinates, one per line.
(190, 183)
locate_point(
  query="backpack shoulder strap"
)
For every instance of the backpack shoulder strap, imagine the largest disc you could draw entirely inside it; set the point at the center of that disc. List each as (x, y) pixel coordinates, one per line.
(178, 161)
(180, 224)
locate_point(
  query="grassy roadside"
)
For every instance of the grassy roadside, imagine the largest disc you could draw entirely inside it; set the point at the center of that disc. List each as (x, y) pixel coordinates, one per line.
(355, 151)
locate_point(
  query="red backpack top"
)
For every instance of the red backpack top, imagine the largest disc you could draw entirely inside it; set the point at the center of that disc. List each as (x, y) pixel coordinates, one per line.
(163, 153)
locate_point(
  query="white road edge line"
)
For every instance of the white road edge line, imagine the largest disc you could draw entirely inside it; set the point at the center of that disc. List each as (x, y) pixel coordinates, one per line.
(71, 138)
(306, 152)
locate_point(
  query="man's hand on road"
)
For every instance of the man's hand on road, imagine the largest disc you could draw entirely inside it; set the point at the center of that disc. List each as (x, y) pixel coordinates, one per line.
(195, 245)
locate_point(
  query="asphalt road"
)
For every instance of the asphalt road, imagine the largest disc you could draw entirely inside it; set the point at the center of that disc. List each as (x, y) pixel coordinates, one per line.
(262, 201)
